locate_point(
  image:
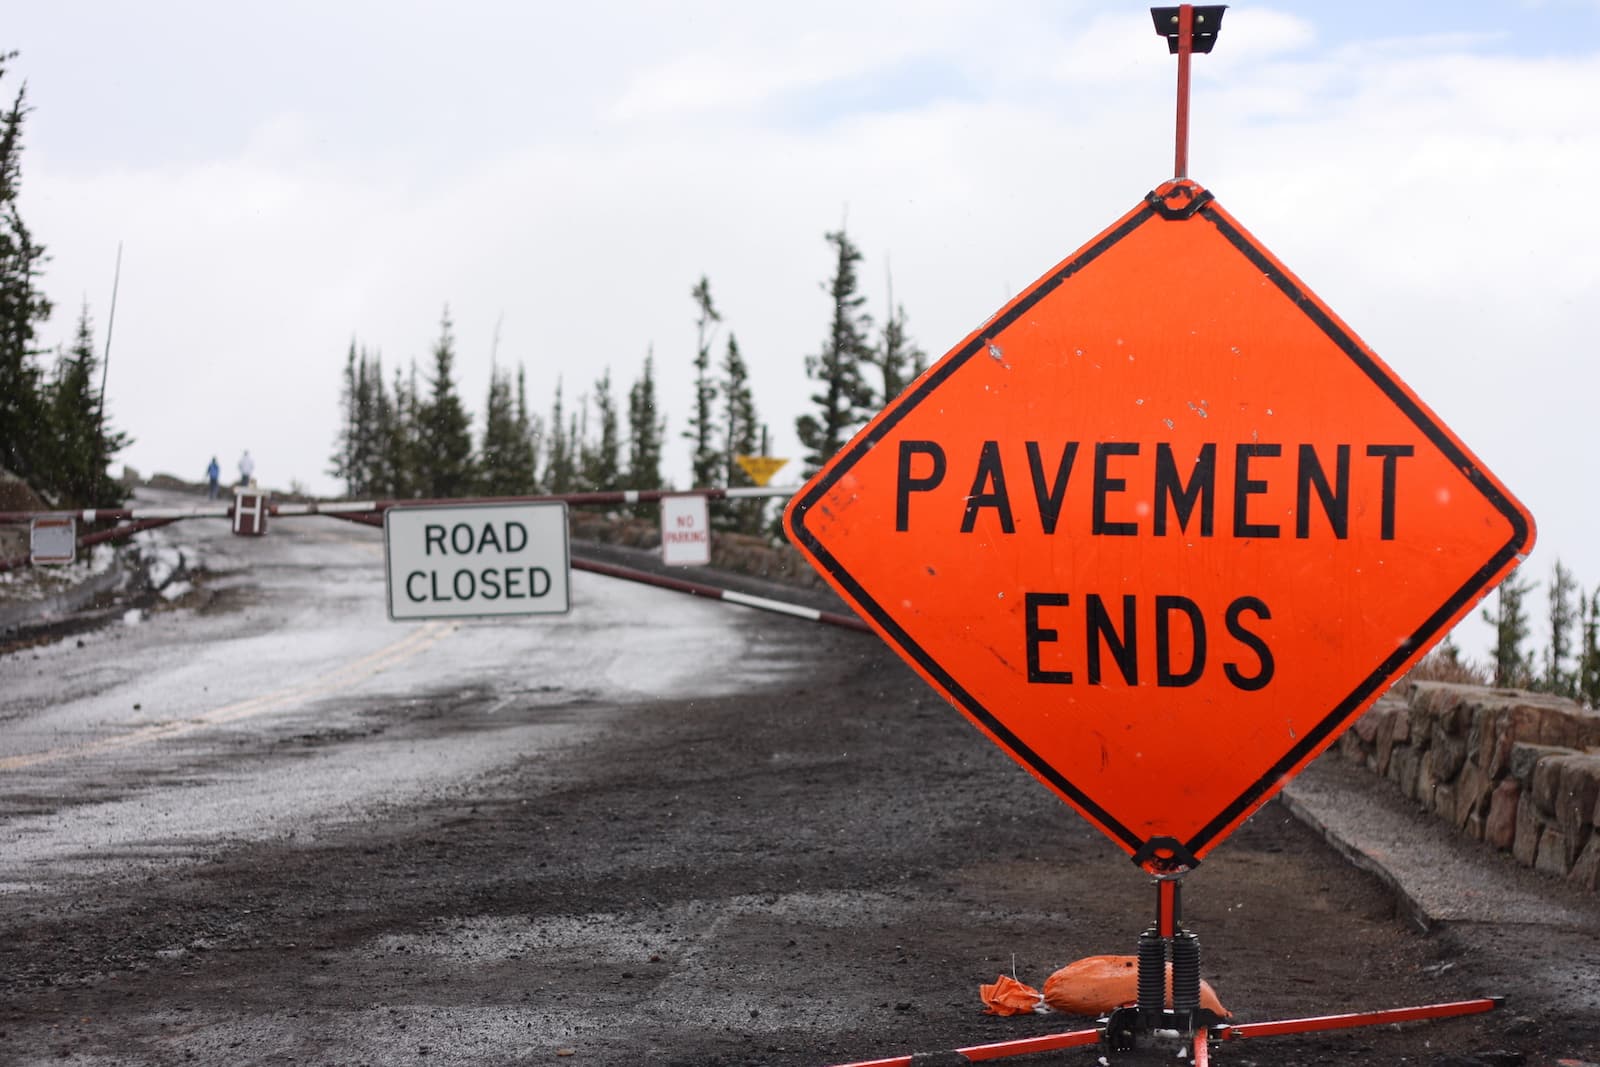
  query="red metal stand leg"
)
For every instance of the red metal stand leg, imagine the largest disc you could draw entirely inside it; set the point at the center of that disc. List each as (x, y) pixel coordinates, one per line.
(1320, 1023)
(1000, 1050)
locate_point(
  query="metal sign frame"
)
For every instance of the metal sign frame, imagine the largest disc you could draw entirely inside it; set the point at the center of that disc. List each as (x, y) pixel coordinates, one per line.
(549, 516)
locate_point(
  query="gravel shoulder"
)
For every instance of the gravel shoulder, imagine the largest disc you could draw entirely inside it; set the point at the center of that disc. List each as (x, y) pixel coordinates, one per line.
(818, 873)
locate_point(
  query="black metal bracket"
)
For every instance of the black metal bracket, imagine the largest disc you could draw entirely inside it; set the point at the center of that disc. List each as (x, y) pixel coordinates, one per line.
(1207, 24)
(1177, 201)
(1165, 855)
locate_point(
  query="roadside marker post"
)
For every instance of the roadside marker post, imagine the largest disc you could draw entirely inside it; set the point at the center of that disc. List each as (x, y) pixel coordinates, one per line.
(249, 513)
(1161, 528)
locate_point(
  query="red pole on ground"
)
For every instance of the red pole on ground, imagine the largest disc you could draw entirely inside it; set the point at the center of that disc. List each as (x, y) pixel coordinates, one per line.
(999, 1050)
(1317, 1024)
(1180, 162)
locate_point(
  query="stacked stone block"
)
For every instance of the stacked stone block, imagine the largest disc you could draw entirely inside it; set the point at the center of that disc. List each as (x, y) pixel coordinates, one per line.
(1517, 770)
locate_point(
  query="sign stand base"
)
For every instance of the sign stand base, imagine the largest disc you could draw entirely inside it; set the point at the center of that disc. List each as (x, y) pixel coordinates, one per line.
(1164, 943)
(1148, 1030)
(1150, 1020)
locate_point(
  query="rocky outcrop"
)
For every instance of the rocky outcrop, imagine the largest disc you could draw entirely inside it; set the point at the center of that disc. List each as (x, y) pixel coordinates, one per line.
(1519, 771)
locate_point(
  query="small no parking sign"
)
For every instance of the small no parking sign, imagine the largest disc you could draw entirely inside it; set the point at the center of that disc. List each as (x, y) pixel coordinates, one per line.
(685, 531)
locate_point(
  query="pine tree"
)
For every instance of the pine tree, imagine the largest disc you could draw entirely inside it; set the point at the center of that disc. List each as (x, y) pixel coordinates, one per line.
(530, 431)
(444, 427)
(382, 463)
(401, 434)
(845, 400)
(577, 442)
(1558, 677)
(899, 358)
(560, 473)
(343, 464)
(705, 461)
(502, 457)
(367, 455)
(1589, 650)
(740, 437)
(646, 430)
(602, 460)
(1512, 668)
(80, 445)
(24, 438)
(1450, 652)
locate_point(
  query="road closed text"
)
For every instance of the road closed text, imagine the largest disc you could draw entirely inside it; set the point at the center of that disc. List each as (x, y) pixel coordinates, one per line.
(486, 560)
(465, 541)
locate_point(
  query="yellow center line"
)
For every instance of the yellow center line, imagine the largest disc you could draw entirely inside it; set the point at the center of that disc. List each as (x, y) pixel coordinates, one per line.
(332, 681)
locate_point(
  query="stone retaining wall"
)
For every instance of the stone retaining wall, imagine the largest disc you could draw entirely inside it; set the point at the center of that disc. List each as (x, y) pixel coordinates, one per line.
(1517, 770)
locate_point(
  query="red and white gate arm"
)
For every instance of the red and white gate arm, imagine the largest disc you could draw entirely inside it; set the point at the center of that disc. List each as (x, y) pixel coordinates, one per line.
(760, 603)
(347, 508)
(93, 515)
(369, 512)
(342, 508)
(116, 533)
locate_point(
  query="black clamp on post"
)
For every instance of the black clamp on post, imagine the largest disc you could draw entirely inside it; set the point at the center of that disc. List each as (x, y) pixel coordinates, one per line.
(1207, 24)
(1165, 857)
(1178, 200)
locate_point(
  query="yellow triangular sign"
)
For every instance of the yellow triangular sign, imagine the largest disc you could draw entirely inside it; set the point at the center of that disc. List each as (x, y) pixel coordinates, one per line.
(761, 468)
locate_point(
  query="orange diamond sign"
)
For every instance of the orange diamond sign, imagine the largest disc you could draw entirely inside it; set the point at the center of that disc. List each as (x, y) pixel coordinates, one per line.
(1161, 528)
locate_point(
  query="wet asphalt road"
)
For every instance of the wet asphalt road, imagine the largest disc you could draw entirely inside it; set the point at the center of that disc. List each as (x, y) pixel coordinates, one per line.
(145, 743)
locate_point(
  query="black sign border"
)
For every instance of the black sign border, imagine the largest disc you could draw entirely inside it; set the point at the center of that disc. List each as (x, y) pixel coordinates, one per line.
(1155, 208)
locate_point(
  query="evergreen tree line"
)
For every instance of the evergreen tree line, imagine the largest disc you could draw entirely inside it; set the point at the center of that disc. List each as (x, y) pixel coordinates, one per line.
(1569, 665)
(402, 437)
(54, 434)
(410, 436)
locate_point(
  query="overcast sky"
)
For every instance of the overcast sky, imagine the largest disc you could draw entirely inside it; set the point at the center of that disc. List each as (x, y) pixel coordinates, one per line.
(286, 180)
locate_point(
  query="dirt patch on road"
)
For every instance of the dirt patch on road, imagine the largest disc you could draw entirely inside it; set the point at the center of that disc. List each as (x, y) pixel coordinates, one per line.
(820, 873)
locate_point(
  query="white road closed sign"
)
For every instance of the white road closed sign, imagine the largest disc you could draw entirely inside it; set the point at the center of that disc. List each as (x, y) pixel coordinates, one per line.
(477, 559)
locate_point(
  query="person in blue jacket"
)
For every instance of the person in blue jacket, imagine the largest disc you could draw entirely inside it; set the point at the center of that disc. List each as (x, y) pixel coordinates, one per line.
(213, 472)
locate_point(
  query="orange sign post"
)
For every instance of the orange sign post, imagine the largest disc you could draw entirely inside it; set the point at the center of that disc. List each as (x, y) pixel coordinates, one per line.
(1161, 528)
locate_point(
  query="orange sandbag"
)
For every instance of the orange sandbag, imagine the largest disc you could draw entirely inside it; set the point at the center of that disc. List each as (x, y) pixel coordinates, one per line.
(1007, 996)
(1096, 985)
